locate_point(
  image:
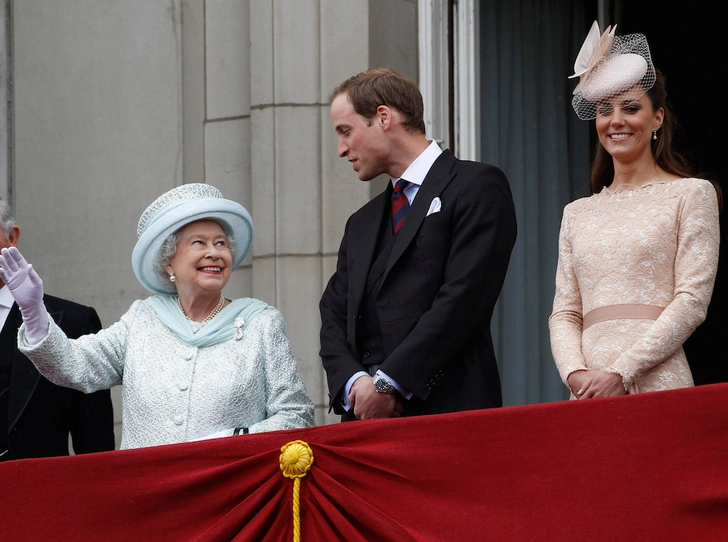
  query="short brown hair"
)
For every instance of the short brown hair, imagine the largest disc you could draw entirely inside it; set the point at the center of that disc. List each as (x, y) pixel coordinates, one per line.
(383, 86)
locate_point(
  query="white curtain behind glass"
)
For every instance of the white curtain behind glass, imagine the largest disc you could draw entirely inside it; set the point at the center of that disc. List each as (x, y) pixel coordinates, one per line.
(530, 131)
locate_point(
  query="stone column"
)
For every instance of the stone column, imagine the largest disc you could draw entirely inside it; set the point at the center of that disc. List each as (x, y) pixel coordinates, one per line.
(300, 49)
(227, 144)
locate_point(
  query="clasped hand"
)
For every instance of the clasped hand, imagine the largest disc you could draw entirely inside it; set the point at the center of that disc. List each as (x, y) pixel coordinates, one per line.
(586, 384)
(368, 403)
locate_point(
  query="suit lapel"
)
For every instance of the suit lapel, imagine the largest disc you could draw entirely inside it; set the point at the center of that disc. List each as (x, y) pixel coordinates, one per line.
(24, 376)
(365, 231)
(434, 183)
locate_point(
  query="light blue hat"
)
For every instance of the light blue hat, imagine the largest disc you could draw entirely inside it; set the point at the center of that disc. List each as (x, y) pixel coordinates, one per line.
(177, 208)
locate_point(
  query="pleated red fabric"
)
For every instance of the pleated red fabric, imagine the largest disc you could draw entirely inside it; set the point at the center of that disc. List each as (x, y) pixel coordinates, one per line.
(643, 467)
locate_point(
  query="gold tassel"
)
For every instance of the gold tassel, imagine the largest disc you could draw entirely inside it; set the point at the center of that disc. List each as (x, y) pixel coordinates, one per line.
(295, 461)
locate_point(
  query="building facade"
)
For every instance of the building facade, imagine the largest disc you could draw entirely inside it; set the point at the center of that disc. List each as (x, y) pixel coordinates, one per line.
(108, 103)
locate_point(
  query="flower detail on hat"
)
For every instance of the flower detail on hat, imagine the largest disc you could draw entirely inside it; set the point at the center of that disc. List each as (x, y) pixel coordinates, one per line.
(593, 50)
(608, 67)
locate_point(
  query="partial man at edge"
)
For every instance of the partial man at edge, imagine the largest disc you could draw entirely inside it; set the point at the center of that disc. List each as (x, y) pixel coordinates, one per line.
(37, 416)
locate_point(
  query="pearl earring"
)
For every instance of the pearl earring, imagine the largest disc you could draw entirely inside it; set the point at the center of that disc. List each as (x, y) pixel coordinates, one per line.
(172, 278)
(654, 135)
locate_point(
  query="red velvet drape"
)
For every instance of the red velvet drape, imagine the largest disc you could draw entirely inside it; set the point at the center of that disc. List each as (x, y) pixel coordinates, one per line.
(643, 467)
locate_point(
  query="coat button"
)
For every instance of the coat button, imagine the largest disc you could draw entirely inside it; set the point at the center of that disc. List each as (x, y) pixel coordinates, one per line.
(366, 355)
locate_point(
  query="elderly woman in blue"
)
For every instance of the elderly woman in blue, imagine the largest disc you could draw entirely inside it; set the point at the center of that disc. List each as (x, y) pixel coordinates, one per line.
(192, 364)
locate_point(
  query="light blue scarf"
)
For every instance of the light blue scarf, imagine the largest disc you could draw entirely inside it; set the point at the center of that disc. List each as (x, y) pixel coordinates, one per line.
(228, 324)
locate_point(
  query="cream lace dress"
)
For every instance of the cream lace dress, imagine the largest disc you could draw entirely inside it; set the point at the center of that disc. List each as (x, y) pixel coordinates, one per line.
(655, 244)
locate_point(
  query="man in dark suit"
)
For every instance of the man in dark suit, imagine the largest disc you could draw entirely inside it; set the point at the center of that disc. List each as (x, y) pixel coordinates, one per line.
(36, 416)
(406, 316)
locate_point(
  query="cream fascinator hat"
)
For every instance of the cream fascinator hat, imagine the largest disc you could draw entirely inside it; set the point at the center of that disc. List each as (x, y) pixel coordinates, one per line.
(177, 208)
(609, 66)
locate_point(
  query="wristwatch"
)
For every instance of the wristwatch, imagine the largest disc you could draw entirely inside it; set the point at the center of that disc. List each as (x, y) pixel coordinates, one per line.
(382, 385)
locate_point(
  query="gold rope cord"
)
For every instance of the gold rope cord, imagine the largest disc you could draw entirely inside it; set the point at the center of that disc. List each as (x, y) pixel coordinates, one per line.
(296, 460)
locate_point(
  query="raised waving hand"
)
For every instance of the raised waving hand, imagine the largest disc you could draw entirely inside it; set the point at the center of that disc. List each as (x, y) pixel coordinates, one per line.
(26, 288)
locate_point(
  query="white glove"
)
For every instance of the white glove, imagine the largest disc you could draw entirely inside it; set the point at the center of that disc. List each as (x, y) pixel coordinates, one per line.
(27, 289)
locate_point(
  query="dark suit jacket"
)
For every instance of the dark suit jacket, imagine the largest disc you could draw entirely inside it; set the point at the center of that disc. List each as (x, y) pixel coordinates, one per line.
(41, 414)
(437, 295)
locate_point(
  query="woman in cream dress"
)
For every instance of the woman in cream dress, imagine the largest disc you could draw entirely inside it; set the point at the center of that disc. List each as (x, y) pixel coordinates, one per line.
(638, 258)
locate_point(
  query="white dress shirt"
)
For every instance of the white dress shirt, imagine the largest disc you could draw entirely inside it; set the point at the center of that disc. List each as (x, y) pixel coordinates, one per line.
(418, 170)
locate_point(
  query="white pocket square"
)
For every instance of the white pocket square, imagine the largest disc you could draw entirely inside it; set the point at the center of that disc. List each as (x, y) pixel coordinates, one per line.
(435, 206)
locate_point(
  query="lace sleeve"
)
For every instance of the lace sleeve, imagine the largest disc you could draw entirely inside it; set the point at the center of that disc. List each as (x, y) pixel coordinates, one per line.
(565, 322)
(695, 268)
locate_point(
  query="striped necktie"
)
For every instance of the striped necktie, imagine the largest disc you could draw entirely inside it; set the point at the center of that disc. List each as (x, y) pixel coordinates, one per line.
(400, 204)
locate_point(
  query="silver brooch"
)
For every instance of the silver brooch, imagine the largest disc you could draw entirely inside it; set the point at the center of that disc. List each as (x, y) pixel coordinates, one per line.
(239, 323)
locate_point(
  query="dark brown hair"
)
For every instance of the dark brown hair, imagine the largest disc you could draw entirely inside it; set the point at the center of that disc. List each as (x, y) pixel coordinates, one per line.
(602, 170)
(382, 86)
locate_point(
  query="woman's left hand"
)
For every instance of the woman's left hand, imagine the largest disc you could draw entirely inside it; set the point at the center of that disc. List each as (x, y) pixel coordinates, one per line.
(601, 384)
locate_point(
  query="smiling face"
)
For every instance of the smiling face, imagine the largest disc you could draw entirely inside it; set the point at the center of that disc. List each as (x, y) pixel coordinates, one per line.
(362, 141)
(203, 260)
(625, 127)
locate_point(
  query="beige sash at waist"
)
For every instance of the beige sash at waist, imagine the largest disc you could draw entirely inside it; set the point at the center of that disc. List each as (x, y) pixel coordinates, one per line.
(617, 312)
